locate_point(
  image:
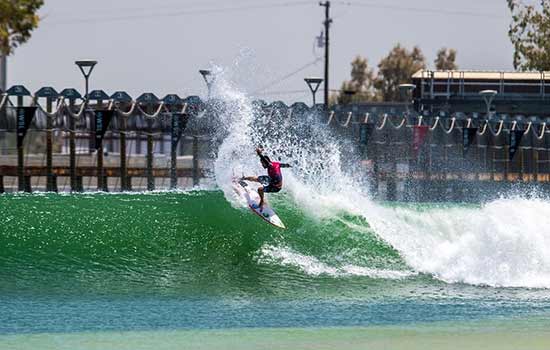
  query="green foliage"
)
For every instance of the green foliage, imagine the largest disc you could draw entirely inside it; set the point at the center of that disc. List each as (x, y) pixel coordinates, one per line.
(361, 86)
(445, 59)
(530, 34)
(397, 68)
(18, 19)
(394, 69)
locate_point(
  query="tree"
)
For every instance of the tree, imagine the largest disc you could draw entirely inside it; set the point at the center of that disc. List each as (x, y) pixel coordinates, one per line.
(397, 68)
(530, 35)
(18, 18)
(445, 59)
(361, 86)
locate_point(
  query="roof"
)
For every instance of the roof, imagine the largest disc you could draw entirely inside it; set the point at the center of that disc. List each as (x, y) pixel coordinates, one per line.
(480, 75)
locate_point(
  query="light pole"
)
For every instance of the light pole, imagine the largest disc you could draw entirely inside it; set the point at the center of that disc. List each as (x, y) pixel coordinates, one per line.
(86, 67)
(208, 79)
(313, 84)
(488, 96)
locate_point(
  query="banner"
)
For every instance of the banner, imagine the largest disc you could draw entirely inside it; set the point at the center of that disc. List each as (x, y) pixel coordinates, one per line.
(365, 132)
(514, 142)
(102, 121)
(419, 135)
(179, 123)
(468, 137)
(24, 120)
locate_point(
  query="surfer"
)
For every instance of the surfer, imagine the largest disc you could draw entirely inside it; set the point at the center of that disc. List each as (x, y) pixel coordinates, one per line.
(273, 181)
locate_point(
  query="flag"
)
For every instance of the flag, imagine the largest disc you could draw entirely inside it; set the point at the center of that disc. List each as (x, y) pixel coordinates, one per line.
(419, 135)
(468, 136)
(102, 121)
(365, 132)
(514, 142)
(24, 120)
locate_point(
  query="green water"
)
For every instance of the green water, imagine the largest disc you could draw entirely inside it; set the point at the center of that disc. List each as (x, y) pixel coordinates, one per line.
(97, 269)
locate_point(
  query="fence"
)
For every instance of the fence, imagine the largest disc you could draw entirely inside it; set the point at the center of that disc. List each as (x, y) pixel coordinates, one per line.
(61, 141)
(413, 155)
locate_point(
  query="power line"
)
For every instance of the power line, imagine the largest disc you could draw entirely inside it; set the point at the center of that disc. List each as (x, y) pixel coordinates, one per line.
(371, 4)
(289, 75)
(129, 9)
(289, 92)
(186, 13)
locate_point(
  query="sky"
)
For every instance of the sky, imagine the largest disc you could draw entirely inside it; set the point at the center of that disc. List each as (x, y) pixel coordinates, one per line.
(266, 47)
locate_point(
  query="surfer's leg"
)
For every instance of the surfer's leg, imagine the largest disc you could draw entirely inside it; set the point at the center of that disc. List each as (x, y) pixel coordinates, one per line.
(251, 178)
(261, 193)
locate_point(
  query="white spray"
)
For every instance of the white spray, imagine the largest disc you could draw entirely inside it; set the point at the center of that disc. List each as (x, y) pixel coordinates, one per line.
(503, 243)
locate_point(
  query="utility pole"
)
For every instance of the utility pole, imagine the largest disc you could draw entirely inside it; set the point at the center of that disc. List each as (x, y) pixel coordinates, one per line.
(327, 23)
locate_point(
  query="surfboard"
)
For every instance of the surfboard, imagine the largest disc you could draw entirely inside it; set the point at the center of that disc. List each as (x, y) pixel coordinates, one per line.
(252, 197)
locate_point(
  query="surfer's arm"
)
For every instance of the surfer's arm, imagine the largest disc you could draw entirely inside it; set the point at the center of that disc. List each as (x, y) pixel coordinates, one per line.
(285, 165)
(263, 158)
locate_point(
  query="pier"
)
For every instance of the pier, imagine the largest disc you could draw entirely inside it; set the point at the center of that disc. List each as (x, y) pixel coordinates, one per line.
(444, 142)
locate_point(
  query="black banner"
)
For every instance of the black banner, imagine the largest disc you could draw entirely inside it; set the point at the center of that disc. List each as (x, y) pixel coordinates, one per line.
(24, 120)
(365, 132)
(468, 137)
(102, 121)
(515, 140)
(179, 122)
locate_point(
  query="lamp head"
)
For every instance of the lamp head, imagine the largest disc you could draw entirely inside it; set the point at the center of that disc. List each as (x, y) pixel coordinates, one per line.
(86, 66)
(488, 93)
(313, 83)
(404, 88)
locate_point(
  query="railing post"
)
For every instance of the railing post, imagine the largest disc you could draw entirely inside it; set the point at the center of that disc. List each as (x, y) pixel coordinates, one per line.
(150, 159)
(535, 164)
(521, 162)
(506, 161)
(493, 163)
(123, 164)
(195, 150)
(51, 185)
(179, 122)
(20, 157)
(72, 148)
(99, 150)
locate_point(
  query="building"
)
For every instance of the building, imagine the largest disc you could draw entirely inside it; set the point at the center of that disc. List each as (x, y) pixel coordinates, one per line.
(526, 93)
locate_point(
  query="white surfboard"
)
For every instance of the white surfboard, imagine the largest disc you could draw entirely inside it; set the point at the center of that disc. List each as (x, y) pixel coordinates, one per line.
(253, 199)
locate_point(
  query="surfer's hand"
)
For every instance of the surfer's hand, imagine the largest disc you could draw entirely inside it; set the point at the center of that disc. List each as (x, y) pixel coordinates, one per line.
(259, 151)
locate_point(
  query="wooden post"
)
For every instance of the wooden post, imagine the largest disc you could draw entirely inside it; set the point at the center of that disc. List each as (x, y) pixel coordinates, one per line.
(493, 162)
(51, 185)
(20, 157)
(176, 120)
(100, 176)
(150, 159)
(535, 157)
(391, 178)
(79, 185)
(446, 158)
(99, 149)
(195, 150)
(2, 190)
(506, 162)
(521, 161)
(72, 149)
(173, 167)
(123, 164)
(477, 157)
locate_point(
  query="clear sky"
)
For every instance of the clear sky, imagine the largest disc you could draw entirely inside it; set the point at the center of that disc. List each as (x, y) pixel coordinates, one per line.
(159, 46)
